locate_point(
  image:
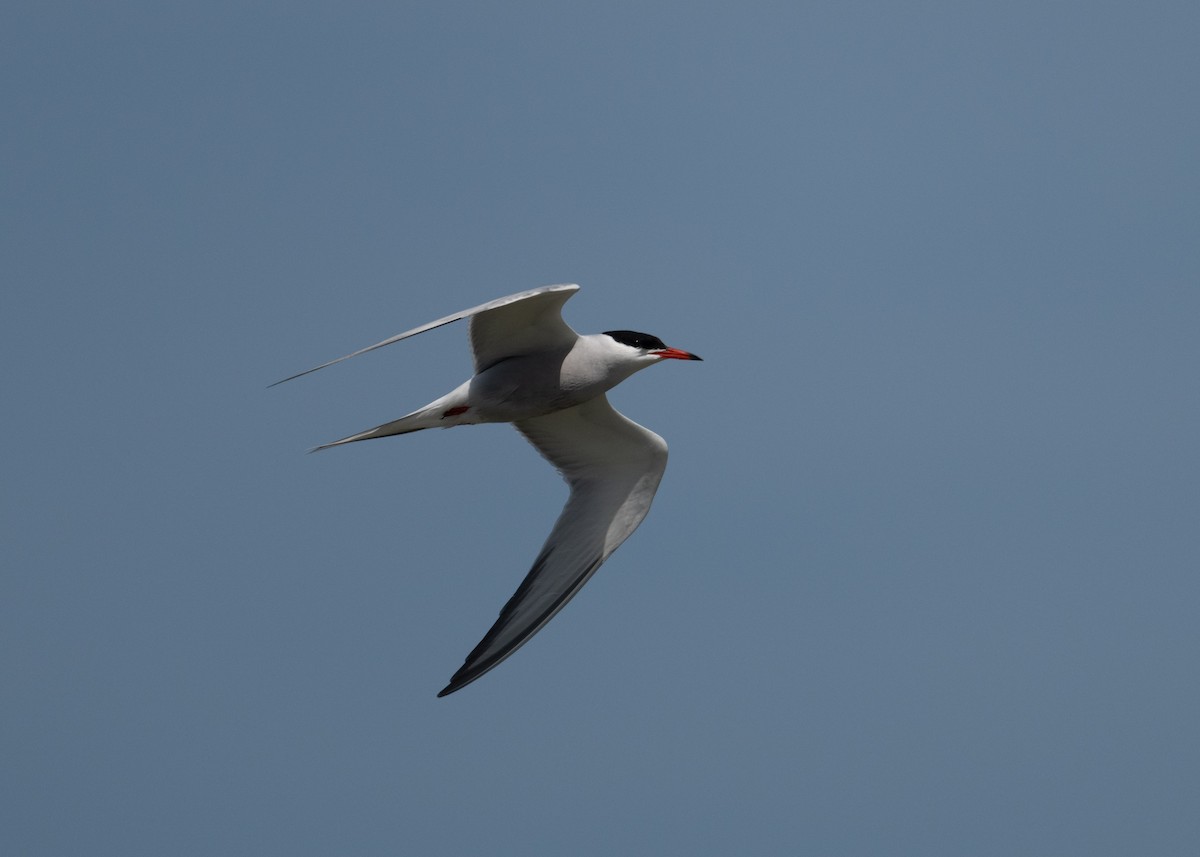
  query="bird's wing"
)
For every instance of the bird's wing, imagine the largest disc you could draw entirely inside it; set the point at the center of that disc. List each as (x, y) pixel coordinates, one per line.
(539, 308)
(613, 467)
(521, 324)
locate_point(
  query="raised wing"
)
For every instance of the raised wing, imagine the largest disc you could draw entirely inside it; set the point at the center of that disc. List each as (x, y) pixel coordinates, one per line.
(506, 316)
(613, 467)
(525, 323)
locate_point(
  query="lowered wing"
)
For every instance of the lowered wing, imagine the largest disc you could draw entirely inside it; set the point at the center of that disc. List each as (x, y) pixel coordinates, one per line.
(613, 467)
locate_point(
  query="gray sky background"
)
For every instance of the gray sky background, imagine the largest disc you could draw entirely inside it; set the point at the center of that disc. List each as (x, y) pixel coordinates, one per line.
(922, 574)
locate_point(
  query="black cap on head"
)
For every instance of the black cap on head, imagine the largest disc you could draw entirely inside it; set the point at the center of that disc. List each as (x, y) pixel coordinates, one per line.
(637, 340)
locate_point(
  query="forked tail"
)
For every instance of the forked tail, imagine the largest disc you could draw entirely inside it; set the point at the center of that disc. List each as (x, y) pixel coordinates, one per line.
(450, 410)
(416, 421)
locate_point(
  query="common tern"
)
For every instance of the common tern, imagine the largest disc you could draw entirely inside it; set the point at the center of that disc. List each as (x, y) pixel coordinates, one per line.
(534, 371)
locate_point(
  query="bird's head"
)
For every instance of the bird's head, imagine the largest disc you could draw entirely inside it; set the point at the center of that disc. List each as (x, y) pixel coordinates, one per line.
(647, 346)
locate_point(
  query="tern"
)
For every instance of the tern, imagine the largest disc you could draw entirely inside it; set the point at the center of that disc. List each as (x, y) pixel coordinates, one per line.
(534, 371)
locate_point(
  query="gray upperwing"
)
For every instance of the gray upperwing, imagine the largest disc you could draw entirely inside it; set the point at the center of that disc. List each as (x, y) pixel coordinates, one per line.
(490, 305)
(533, 323)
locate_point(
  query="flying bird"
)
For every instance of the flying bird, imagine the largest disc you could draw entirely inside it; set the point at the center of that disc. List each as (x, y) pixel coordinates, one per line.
(534, 371)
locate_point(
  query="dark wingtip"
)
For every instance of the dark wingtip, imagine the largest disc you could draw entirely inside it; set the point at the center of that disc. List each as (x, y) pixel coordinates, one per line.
(456, 683)
(291, 377)
(470, 671)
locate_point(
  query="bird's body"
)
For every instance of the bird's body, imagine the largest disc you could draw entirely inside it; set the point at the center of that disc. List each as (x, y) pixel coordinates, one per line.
(532, 370)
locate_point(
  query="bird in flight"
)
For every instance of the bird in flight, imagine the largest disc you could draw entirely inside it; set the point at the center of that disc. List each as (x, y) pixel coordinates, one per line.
(535, 372)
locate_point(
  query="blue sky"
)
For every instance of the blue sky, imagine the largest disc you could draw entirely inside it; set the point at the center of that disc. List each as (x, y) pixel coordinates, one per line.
(922, 574)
